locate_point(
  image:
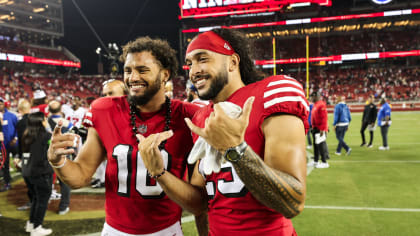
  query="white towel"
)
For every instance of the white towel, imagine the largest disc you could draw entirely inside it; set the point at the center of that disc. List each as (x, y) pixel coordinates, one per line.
(211, 158)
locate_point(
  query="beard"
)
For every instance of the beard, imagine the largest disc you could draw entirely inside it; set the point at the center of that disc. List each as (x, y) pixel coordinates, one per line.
(152, 89)
(216, 85)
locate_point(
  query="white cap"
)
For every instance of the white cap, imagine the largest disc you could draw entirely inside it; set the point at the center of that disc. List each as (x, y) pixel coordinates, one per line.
(39, 94)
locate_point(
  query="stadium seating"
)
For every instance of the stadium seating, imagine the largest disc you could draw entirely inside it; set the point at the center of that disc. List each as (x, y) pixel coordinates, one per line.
(20, 48)
(338, 44)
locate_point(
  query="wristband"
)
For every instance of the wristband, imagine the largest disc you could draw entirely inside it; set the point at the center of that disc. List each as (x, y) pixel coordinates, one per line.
(59, 166)
(158, 175)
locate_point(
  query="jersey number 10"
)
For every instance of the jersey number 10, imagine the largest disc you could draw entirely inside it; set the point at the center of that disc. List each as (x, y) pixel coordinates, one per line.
(122, 153)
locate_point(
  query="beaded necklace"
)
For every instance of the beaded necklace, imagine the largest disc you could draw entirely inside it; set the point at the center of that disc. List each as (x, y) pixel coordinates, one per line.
(134, 112)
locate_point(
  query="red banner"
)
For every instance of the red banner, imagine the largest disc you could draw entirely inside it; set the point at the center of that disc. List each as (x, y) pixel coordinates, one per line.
(216, 8)
(36, 60)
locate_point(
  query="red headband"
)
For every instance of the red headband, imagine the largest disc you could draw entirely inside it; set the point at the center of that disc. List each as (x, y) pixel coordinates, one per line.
(211, 41)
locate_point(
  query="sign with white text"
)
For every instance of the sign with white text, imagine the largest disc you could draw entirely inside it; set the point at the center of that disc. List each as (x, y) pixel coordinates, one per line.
(216, 8)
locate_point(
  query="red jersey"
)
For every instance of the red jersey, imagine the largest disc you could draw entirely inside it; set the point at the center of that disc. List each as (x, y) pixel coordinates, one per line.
(40, 108)
(135, 203)
(319, 116)
(200, 103)
(232, 208)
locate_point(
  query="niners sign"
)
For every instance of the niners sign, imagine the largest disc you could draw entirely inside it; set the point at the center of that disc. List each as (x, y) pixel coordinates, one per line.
(215, 8)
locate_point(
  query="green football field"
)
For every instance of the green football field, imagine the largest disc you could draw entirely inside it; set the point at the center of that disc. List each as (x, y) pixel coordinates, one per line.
(370, 192)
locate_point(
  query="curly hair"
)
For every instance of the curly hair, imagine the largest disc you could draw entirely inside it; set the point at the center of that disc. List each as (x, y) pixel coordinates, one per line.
(241, 45)
(159, 48)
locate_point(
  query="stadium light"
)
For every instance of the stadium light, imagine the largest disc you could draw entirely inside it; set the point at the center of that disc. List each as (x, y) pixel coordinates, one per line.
(98, 50)
(115, 47)
(37, 10)
(300, 4)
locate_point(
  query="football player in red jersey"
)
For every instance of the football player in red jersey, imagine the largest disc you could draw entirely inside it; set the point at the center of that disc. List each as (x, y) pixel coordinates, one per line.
(263, 182)
(135, 202)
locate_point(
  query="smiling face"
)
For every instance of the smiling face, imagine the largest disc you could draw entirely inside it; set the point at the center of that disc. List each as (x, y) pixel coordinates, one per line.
(143, 77)
(208, 72)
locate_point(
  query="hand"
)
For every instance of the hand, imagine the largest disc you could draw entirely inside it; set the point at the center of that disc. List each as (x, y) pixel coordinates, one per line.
(335, 128)
(150, 153)
(18, 163)
(221, 131)
(13, 142)
(321, 133)
(1, 137)
(61, 145)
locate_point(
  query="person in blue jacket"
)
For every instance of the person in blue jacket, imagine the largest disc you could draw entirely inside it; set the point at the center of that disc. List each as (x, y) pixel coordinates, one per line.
(384, 121)
(10, 140)
(308, 135)
(341, 123)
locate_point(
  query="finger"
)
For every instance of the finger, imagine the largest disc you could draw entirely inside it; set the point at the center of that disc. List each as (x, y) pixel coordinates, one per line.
(194, 128)
(246, 112)
(65, 144)
(218, 110)
(140, 137)
(206, 122)
(64, 152)
(213, 114)
(62, 138)
(154, 140)
(163, 136)
(57, 129)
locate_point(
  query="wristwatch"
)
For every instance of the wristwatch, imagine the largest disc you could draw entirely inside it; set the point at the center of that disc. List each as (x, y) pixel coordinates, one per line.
(234, 154)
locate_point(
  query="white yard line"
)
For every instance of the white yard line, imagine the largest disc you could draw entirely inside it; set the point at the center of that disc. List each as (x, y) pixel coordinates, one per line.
(364, 208)
(187, 219)
(309, 156)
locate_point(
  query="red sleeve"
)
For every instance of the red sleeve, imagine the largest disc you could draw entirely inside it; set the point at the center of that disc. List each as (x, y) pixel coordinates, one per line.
(189, 109)
(87, 119)
(283, 94)
(200, 117)
(99, 104)
(323, 117)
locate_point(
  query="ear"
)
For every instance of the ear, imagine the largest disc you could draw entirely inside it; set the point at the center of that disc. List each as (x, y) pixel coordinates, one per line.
(234, 60)
(165, 75)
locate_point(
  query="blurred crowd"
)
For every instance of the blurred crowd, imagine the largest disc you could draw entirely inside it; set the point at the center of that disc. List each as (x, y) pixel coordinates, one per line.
(394, 83)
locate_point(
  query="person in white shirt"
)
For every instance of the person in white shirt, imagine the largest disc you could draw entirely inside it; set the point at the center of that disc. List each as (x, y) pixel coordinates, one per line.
(75, 113)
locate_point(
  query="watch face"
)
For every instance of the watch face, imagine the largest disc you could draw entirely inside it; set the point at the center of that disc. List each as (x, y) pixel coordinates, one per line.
(232, 155)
